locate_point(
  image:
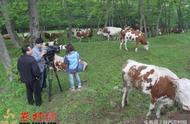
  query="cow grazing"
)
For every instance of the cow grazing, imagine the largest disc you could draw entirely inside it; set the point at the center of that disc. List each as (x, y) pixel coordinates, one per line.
(109, 31)
(152, 80)
(82, 33)
(135, 35)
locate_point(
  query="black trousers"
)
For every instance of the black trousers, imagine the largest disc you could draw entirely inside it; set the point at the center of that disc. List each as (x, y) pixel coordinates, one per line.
(33, 92)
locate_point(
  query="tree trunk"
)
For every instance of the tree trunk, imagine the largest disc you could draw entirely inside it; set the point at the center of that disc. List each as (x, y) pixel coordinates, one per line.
(142, 17)
(8, 24)
(34, 22)
(158, 20)
(5, 58)
(180, 17)
(69, 17)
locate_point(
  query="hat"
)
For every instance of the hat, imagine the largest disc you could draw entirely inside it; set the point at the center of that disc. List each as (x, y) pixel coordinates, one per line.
(39, 40)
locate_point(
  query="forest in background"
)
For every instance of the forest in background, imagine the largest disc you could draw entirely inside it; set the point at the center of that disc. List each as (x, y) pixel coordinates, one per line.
(59, 14)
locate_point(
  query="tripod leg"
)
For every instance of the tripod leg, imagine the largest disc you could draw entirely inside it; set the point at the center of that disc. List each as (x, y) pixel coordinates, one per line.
(49, 83)
(57, 79)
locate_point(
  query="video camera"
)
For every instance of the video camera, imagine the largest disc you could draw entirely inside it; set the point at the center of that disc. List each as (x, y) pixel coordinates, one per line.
(51, 50)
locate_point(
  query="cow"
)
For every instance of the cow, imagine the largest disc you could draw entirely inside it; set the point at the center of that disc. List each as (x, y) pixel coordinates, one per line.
(183, 92)
(59, 63)
(152, 80)
(109, 31)
(54, 36)
(6, 36)
(82, 33)
(134, 35)
(177, 30)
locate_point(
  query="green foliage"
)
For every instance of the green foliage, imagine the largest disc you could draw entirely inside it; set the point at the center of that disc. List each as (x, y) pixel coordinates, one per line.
(99, 100)
(57, 14)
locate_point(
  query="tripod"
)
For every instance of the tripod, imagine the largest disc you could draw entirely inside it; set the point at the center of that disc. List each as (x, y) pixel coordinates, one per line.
(50, 73)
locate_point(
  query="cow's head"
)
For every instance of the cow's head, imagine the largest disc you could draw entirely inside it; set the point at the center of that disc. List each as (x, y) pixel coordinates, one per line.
(100, 31)
(146, 46)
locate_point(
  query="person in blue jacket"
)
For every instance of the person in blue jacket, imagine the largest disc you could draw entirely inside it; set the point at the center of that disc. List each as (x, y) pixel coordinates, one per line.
(38, 53)
(72, 60)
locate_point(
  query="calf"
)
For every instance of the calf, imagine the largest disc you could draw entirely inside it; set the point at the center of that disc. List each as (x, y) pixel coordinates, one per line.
(135, 35)
(109, 31)
(152, 80)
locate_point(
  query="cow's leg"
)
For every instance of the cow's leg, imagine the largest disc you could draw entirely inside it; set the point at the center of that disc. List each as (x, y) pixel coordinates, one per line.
(151, 107)
(126, 44)
(121, 43)
(136, 46)
(125, 96)
(108, 37)
(161, 103)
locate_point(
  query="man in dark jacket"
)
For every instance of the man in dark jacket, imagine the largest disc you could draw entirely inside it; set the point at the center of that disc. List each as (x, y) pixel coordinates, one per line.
(30, 74)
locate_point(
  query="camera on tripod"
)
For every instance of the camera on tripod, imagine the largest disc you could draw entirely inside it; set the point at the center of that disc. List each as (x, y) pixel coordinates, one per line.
(51, 50)
(49, 60)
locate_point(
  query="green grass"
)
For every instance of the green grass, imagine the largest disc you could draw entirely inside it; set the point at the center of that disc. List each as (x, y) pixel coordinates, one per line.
(99, 102)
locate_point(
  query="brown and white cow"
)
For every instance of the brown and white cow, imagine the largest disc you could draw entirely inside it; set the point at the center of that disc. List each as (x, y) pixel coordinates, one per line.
(59, 63)
(109, 31)
(152, 80)
(135, 35)
(57, 60)
(183, 92)
(82, 33)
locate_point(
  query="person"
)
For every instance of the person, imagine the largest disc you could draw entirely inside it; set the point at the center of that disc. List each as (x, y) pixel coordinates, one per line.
(38, 53)
(29, 74)
(72, 59)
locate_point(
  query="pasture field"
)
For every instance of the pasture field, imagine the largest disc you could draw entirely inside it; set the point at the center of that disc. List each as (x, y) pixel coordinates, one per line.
(99, 101)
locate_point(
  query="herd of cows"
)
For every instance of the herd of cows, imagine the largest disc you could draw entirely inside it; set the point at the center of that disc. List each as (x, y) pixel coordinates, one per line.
(162, 85)
(123, 34)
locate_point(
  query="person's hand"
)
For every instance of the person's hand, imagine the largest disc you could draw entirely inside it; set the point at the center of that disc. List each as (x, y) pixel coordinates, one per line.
(43, 52)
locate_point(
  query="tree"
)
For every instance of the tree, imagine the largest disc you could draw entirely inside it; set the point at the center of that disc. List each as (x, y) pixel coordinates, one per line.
(5, 58)
(8, 24)
(34, 22)
(142, 17)
(159, 17)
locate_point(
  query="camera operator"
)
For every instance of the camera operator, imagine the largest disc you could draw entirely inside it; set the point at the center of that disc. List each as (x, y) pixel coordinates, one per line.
(38, 53)
(30, 73)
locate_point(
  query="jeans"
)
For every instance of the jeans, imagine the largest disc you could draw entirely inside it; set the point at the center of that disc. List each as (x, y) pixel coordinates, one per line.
(71, 80)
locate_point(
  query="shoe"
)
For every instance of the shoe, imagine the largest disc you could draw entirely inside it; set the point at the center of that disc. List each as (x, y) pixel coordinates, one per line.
(79, 88)
(72, 89)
